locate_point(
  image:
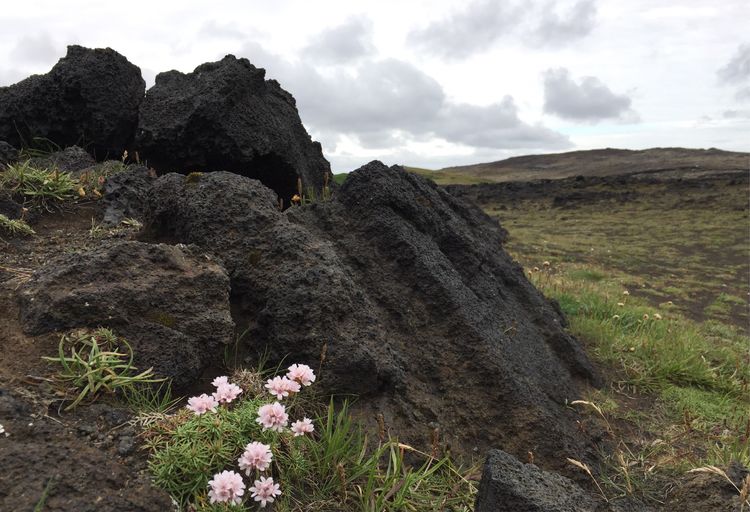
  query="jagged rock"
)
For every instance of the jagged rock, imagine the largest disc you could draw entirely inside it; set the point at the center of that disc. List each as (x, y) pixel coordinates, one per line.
(71, 159)
(89, 98)
(404, 289)
(125, 195)
(8, 154)
(226, 117)
(171, 304)
(509, 485)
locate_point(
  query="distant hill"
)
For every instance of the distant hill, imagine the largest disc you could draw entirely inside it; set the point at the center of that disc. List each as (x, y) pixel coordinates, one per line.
(597, 162)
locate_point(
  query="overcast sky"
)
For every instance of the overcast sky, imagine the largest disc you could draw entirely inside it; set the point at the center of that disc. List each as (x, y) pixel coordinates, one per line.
(434, 83)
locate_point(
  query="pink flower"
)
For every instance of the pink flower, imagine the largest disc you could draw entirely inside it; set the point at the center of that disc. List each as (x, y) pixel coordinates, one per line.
(302, 427)
(218, 381)
(225, 393)
(264, 490)
(226, 486)
(257, 456)
(301, 373)
(201, 404)
(282, 387)
(273, 416)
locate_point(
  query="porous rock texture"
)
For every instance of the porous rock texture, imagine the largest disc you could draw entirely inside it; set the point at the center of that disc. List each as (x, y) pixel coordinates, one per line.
(170, 303)
(125, 194)
(70, 469)
(225, 116)
(8, 154)
(509, 485)
(89, 98)
(403, 291)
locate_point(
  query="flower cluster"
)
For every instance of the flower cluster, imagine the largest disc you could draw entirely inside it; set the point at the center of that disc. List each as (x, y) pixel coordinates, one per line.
(225, 393)
(227, 486)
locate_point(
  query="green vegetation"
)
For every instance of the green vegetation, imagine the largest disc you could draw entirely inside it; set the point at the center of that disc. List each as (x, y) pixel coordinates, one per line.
(45, 188)
(447, 177)
(99, 362)
(15, 226)
(334, 469)
(50, 188)
(656, 288)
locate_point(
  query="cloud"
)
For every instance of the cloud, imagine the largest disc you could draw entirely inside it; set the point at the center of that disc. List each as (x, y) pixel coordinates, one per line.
(484, 22)
(743, 94)
(576, 23)
(37, 49)
(590, 100)
(736, 114)
(347, 42)
(385, 103)
(469, 31)
(737, 70)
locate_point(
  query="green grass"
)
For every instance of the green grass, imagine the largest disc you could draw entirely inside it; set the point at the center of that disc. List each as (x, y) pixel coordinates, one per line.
(674, 349)
(40, 187)
(15, 226)
(334, 469)
(97, 362)
(446, 177)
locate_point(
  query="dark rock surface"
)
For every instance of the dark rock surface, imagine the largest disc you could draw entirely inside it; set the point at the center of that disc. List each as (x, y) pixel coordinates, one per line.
(405, 290)
(71, 159)
(171, 304)
(125, 195)
(509, 485)
(226, 117)
(75, 466)
(89, 98)
(708, 492)
(8, 154)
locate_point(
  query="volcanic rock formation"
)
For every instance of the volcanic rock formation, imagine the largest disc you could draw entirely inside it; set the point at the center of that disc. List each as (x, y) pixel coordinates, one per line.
(170, 304)
(225, 116)
(89, 98)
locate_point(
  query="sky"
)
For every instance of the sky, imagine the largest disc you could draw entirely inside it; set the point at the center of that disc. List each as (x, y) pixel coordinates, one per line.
(436, 83)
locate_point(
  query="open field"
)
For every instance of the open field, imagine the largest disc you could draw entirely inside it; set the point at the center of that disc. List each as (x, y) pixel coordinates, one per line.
(652, 273)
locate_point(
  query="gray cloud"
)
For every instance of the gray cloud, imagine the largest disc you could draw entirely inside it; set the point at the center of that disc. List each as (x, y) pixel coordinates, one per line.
(386, 103)
(576, 23)
(484, 22)
(736, 114)
(471, 30)
(347, 42)
(737, 70)
(590, 100)
(743, 94)
(37, 49)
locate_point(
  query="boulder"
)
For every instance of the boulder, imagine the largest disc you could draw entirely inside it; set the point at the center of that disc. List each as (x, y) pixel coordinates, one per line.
(509, 485)
(89, 98)
(225, 116)
(71, 159)
(170, 303)
(401, 294)
(707, 491)
(125, 195)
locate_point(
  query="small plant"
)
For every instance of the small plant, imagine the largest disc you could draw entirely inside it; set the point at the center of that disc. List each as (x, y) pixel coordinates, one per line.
(203, 454)
(98, 362)
(15, 226)
(45, 188)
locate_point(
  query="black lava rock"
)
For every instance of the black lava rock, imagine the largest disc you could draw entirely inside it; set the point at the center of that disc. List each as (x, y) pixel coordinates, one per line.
(89, 98)
(509, 485)
(406, 294)
(170, 304)
(225, 116)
